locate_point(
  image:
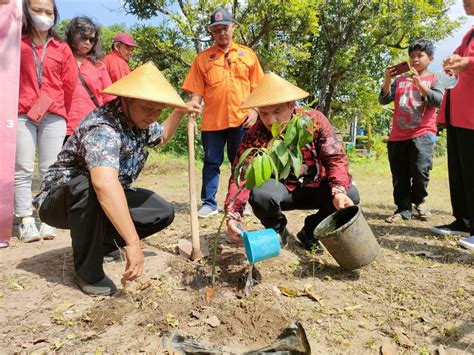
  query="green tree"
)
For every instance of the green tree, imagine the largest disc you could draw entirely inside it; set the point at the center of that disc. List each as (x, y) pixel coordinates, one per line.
(356, 40)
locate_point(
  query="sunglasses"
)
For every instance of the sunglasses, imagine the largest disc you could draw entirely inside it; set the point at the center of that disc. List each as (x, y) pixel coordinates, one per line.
(85, 38)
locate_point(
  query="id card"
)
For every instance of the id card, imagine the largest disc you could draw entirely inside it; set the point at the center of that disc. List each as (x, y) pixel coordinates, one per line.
(40, 107)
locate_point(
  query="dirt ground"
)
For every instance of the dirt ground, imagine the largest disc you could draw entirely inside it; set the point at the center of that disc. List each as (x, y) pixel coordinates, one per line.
(417, 295)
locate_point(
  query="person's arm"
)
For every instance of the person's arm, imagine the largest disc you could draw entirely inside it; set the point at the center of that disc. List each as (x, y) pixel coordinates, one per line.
(171, 124)
(105, 82)
(69, 76)
(435, 94)
(336, 162)
(387, 94)
(235, 204)
(111, 197)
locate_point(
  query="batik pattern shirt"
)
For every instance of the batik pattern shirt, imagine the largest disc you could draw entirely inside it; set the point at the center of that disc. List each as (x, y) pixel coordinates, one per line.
(105, 138)
(323, 160)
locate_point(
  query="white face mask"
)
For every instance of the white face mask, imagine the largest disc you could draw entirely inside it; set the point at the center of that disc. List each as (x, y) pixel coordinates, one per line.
(42, 23)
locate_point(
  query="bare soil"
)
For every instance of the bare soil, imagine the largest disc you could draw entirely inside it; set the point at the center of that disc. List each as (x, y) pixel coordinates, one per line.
(417, 295)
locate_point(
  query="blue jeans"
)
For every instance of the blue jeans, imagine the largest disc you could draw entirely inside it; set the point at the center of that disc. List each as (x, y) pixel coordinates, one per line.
(213, 143)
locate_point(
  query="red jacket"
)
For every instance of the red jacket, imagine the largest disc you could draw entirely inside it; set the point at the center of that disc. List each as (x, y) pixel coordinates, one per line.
(323, 160)
(97, 79)
(462, 95)
(59, 76)
(116, 66)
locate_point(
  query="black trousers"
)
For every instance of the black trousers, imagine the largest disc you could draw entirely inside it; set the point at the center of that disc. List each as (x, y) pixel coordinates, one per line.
(410, 163)
(269, 200)
(74, 206)
(460, 143)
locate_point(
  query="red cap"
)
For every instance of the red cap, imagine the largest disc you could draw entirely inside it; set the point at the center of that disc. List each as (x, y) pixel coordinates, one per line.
(126, 39)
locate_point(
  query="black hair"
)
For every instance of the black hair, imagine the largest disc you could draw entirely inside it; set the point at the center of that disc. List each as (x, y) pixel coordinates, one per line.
(27, 28)
(422, 45)
(82, 25)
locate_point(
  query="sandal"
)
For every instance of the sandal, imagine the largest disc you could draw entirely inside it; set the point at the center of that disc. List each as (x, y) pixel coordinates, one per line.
(423, 211)
(394, 218)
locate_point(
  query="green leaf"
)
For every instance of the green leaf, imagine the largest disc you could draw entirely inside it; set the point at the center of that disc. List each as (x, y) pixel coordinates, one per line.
(275, 129)
(273, 162)
(286, 171)
(282, 153)
(296, 162)
(290, 133)
(238, 168)
(249, 178)
(258, 171)
(267, 167)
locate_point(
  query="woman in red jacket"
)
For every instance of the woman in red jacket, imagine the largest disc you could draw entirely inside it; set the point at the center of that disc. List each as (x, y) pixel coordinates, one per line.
(48, 75)
(457, 112)
(83, 37)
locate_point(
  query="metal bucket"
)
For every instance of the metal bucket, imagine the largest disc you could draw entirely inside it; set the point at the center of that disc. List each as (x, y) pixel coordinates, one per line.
(348, 238)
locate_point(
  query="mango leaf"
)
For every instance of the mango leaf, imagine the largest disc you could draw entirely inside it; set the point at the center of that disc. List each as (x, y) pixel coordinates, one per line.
(238, 168)
(286, 171)
(266, 167)
(257, 170)
(249, 178)
(282, 153)
(275, 129)
(296, 162)
(290, 133)
(272, 159)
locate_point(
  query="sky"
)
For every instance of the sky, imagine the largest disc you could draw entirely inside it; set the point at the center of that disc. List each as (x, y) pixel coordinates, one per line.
(108, 12)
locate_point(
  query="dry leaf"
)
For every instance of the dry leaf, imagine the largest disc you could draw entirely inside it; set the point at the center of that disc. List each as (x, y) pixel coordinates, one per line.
(144, 285)
(289, 292)
(403, 338)
(388, 348)
(209, 294)
(311, 294)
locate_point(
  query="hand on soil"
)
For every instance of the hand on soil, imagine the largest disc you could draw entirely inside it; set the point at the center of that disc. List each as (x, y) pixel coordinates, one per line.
(233, 232)
(135, 260)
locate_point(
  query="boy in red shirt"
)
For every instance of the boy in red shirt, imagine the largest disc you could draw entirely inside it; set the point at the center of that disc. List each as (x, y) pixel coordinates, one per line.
(412, 138)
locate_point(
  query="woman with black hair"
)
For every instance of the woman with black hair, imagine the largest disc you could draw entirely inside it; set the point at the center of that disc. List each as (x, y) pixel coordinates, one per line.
(83, 37)
(48, 76)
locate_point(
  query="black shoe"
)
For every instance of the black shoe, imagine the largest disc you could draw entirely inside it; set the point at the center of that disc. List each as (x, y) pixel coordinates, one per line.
(112, 256)
(104, 287)
(458, 227)
(310, 243)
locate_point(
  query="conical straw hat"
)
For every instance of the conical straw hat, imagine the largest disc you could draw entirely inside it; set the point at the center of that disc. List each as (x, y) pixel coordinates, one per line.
(273, 90)
(146, 83)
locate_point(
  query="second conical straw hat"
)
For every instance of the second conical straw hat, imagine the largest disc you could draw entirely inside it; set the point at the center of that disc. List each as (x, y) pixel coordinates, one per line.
(273, 90)
(146, 83)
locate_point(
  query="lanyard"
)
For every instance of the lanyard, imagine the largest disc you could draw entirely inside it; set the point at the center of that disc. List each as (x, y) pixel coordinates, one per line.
(39, 66)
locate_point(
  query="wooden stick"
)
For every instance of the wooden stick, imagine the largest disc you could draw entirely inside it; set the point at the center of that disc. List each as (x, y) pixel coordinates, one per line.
(196, 253)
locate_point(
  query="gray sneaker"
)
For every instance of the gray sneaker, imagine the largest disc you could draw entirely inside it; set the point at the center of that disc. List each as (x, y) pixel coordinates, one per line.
(27, 231)
(206, 211)
(104, 287)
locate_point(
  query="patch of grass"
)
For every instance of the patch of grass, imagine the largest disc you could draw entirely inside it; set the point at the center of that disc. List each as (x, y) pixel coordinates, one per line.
(381, 167)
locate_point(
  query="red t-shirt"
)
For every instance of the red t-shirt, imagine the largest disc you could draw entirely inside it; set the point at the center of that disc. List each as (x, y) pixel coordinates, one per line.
(116, 66)
(59, 76)
(97, 79)
(462, 95)
(412, 117)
